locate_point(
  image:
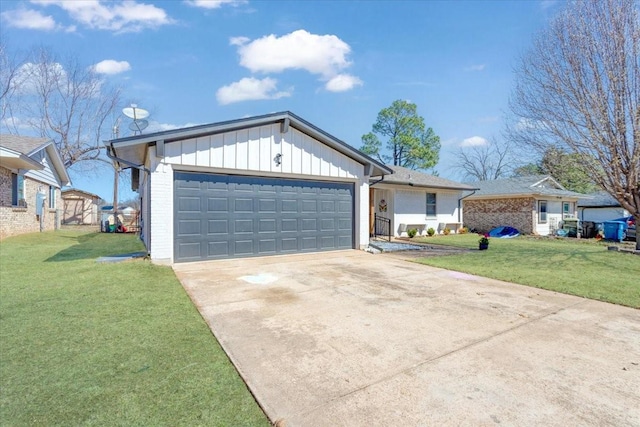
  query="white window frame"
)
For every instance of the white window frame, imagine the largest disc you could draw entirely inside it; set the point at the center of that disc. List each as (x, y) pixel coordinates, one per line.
(19, 190)
(434, 205)
(52, 197)
(542, 220)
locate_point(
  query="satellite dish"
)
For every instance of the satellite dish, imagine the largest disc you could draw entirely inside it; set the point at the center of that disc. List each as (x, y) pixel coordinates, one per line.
(135, 113)
(138, 125)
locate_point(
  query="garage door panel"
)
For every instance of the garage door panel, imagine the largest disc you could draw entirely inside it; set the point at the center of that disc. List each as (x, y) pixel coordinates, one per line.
(237, 216)
(218, 226)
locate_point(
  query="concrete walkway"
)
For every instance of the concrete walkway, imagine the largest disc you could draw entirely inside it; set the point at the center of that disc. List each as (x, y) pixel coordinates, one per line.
(353, 339)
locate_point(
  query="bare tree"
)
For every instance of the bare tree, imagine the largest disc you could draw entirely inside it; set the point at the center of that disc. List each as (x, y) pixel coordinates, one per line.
(578, 89)
(485, 162)
(9, 83)
(68, 103)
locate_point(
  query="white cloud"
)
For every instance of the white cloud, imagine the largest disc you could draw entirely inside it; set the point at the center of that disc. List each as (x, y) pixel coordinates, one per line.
(342, 83)
(111, 66)
(476, 67)
(121, 16)
(29, 19)
(248, 89)
(474, 141)
(322, 55)
(161, 127)
(214, 4)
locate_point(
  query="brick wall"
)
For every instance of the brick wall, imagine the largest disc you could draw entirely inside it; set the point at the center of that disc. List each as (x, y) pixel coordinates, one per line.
(483, 215)
(19, 220)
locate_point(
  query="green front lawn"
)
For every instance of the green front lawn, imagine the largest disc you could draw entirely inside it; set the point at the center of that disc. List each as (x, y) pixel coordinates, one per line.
(83, 343)
(578, 267)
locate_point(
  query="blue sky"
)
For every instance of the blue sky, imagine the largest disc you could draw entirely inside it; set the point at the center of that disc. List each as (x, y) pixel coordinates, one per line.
(334, 63)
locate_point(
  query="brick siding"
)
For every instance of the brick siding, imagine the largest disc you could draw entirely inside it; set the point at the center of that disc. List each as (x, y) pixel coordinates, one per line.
(19, 220)
(483, 215)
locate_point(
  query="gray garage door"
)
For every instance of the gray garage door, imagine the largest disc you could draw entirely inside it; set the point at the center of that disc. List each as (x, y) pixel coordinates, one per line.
(227, 216)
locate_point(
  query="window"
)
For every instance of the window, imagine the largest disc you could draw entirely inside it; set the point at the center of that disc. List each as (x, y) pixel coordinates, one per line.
(542, 211)
(567, 211)
(17, 190)
(52, 197)
(431, 204)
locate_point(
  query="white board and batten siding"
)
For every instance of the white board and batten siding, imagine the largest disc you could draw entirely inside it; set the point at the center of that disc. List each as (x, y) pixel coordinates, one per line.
(46, 175)
(249, 151)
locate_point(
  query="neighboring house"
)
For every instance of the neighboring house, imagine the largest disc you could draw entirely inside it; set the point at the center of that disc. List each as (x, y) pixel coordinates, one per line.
(80, 207)
(31, 176)
(532, 204)
(265, 185)
(412, 199)
(600, 207)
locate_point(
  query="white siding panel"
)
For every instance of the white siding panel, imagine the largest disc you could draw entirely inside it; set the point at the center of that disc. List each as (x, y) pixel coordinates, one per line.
(46, 175)
(229, 153)
(242, 146)
(173, 152)
(254, 149)
(265, 148)
(189, 152)
(203, 145)
(217, 151)
(161, 214)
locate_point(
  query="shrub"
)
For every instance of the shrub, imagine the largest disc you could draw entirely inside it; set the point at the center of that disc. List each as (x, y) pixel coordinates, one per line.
(431, 231)
(463, 230)
(412, 232)
(446, 231)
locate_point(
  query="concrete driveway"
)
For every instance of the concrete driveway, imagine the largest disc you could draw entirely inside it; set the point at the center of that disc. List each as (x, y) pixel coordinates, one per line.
(353, 339)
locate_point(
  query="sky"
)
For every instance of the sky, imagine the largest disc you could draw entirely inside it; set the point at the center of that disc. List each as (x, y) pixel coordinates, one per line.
(336, 64)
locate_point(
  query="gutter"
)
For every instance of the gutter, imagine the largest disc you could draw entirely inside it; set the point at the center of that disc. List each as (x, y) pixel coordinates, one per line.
(371, 184)
(123, 161)
(460, 204)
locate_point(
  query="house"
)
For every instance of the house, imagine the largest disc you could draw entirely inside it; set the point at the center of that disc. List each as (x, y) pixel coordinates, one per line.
(533, 204)
(600, 207)
(411, 199)
(264, 185)
(31, 176)
(80, 207)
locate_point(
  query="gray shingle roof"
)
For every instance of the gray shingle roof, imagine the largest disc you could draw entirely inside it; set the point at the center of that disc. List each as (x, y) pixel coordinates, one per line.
(539, 185)
(411, 177)
(26, 145)
(599, 199)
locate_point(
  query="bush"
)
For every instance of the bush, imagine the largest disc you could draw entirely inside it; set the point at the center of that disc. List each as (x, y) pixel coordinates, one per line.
(463, 230)
(431, 231)
(446, 231)
(412, 232)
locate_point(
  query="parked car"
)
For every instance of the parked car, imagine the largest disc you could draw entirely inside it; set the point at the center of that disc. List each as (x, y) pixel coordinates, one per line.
(630, 232)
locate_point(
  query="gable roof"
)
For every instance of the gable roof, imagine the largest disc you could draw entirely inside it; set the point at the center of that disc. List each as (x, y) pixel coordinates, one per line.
(404, 176)
(132, 149)
(86, 194)
(599, 199)
(13, 147)
(533, 185)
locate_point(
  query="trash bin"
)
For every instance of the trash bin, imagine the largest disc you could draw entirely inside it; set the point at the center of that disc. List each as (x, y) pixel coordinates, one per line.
(589, 229)
(570, 225)
(614, 230)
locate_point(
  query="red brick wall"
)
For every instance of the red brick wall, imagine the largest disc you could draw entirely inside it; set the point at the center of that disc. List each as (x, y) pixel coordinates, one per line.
(19, 220)
(483, 215)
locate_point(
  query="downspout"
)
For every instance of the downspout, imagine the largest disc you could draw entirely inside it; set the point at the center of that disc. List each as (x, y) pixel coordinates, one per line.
(460, 205)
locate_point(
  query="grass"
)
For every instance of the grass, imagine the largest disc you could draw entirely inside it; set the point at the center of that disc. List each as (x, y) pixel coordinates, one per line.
(576, 267)
(83, 343)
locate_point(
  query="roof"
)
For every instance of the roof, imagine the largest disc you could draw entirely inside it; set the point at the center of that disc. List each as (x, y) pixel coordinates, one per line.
(84, 193)
(132, 149)
(404, 176)
(532, 185)
(16, 151)
(599, 199)
(26, 145)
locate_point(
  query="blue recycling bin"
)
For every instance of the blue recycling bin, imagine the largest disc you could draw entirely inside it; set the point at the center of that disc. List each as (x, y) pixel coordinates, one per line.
(614, 230)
